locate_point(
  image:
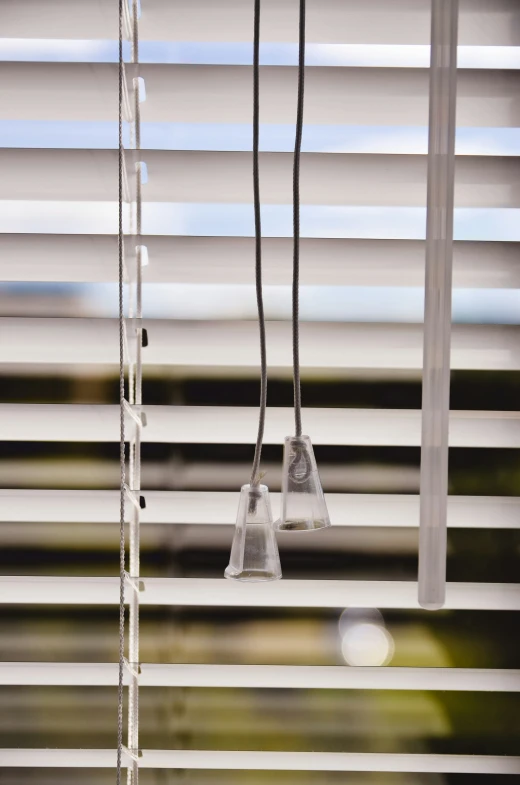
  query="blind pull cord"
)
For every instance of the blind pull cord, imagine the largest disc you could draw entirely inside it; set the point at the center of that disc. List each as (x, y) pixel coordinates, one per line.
(255, 475)
(303, 502)
(254, 552)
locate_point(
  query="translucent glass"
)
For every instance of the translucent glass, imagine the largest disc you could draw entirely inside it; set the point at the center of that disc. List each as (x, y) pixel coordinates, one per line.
(254, 552)
(303, 502)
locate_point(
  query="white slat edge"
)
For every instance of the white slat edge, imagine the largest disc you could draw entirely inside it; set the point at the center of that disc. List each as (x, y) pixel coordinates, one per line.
(199, 345)
(284, 594)
(275, 761)
(237, 425)
(225, 177)
(328, 21)
(201, 94)
(328, 261)
(334, 677)
(219, 508)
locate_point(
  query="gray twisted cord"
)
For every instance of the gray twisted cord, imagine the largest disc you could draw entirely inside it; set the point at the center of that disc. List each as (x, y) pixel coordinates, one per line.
(296, 226)
(121, 420)
(135, 32)
(255, 478)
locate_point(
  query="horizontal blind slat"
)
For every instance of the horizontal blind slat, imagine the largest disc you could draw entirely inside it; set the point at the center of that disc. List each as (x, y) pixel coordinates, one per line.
(237, 425)
(264, 676)
(188, 176)
(286, 761)
(328, 21)
(195, 93)
(219, 508)
(203, 346)
(285, 594)
(90, 259)
(276, 761)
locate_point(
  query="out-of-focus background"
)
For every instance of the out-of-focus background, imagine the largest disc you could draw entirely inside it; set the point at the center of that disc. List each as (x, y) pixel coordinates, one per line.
(361, 309)
(324, 720)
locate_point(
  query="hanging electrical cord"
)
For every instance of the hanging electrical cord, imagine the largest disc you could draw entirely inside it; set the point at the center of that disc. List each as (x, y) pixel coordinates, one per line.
(121, 419)
(255, 476)
(296, 226)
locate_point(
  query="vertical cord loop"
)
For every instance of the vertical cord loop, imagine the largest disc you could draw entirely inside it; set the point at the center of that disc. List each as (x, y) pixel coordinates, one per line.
(121, 419)
(296, 226)
(255, 477)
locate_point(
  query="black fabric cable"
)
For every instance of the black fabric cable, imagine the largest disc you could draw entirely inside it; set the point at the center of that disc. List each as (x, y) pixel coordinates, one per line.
(255, 475)
(296, 226)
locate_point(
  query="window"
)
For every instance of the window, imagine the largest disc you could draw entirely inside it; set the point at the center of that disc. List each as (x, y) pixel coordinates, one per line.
(333, 674)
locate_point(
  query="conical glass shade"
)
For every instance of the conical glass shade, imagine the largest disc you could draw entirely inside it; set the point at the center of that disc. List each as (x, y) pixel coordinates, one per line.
(303, 502)
(254, 553)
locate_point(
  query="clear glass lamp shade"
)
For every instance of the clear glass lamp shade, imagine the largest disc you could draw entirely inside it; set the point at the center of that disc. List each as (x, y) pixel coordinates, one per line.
(254, 552)
(303, 503)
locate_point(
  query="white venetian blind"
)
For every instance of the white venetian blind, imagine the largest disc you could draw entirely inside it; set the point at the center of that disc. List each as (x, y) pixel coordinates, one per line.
(363, 191)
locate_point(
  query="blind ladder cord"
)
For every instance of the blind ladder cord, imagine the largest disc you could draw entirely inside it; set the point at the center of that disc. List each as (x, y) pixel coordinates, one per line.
(121, 420)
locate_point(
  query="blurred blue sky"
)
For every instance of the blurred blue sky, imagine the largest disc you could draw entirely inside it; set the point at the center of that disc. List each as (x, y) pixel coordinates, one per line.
(317, 303)
(236, 53)
(198, 219)
(410, 140)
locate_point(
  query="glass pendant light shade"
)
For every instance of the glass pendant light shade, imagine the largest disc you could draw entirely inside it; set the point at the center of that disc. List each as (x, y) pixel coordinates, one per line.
(254, 553)
(303, 502)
